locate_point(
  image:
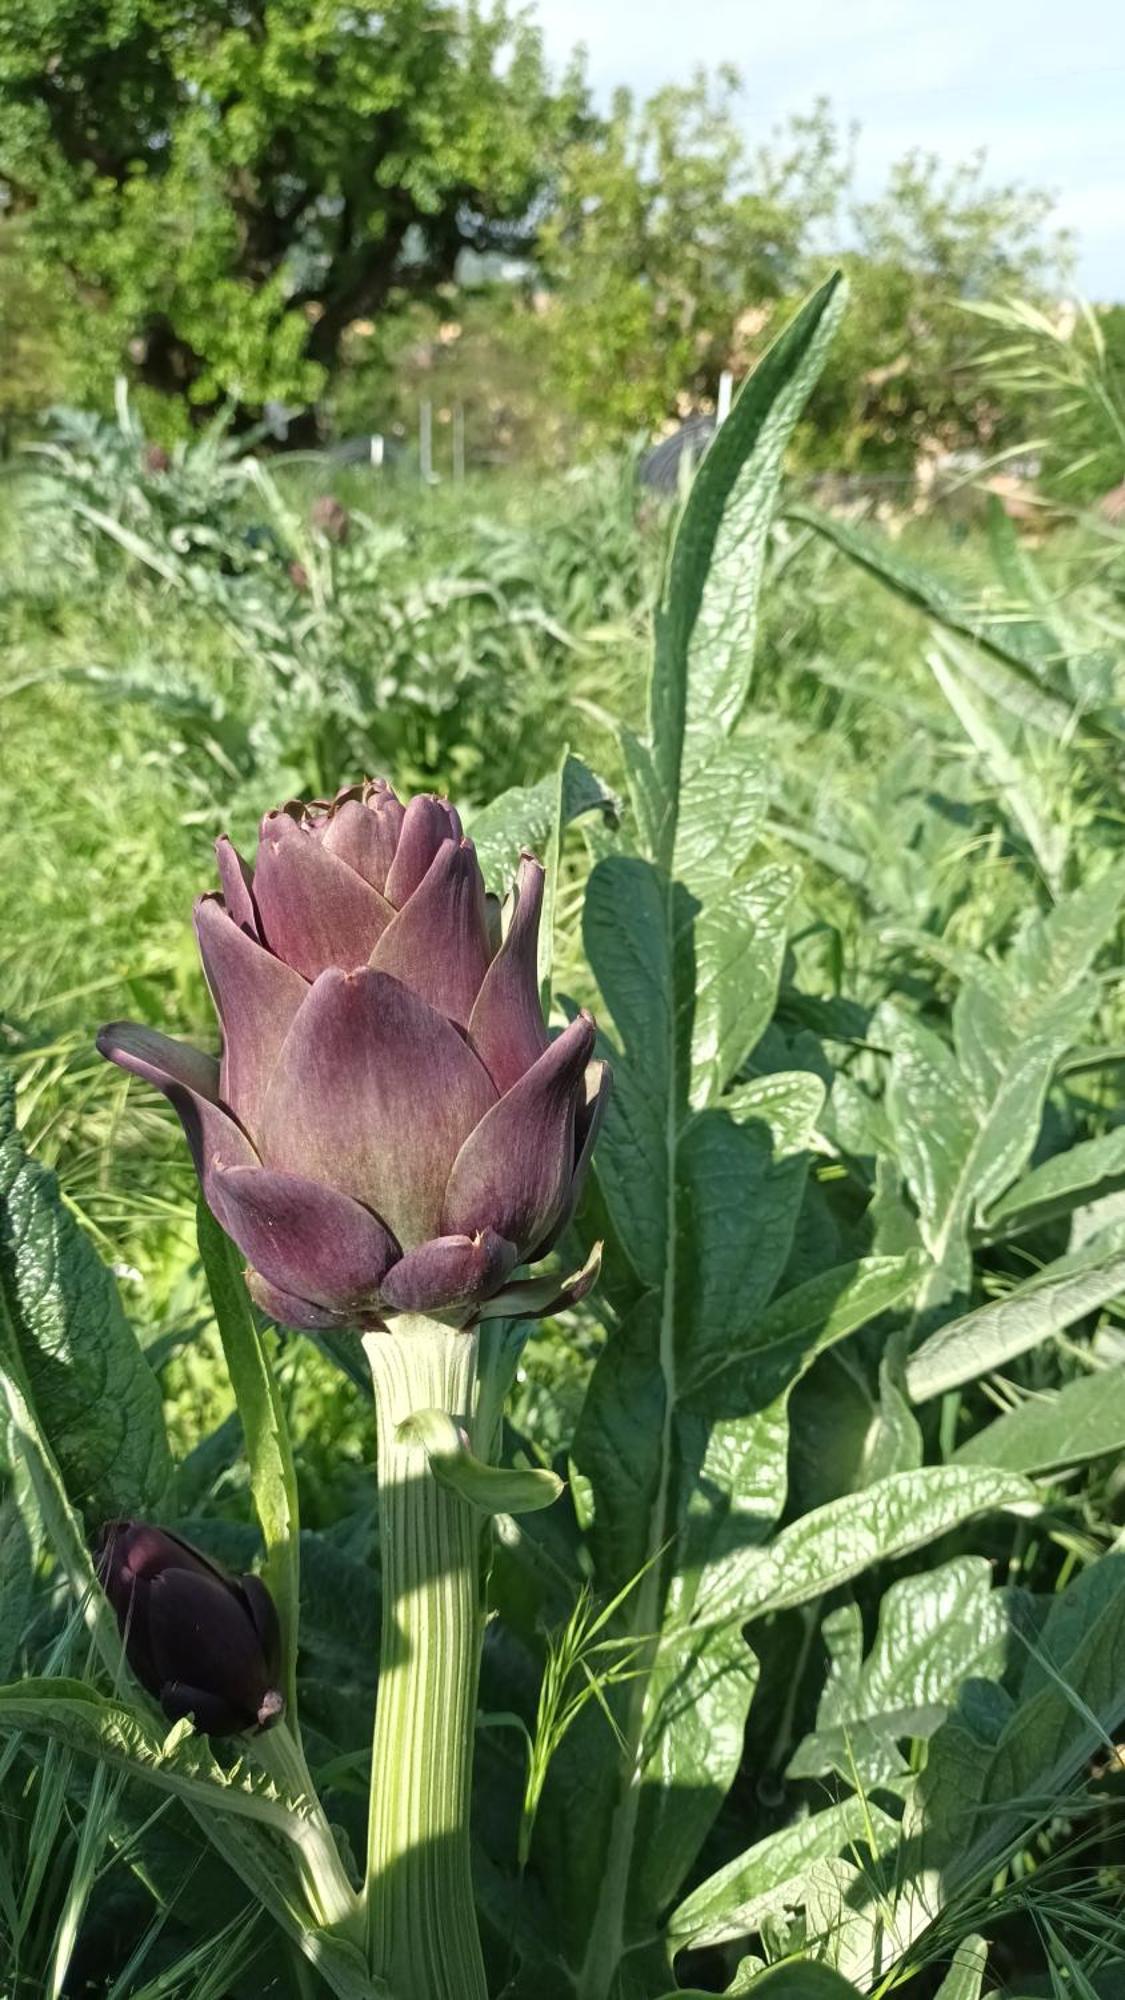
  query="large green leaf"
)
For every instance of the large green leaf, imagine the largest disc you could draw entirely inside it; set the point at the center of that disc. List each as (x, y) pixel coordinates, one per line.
(1063, 1183)
(706, 621)
(732, 1432)
(701, 1191)
(769, 1878)
(965, 1977)
(965, 1120)
(65, 1341)
(19, 1549)
(74, 1713)
(1052, 1300)
(811, 1317)
(739, 944)
(1083, 1420)
(528, 815)
(799, 1981)
(837, 1542)
(1010, 776)
(243, 1812)
(936, 1631)
(993, 1772)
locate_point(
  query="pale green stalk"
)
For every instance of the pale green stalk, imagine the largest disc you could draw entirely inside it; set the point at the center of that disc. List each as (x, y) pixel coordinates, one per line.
(332, 1900)
(422, 1930)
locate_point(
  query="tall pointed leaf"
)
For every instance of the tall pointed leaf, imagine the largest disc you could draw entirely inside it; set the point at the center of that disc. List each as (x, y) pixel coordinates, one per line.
(685, 942)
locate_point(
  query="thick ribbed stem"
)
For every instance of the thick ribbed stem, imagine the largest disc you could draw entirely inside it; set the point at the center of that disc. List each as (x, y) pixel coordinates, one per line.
(422, 1930)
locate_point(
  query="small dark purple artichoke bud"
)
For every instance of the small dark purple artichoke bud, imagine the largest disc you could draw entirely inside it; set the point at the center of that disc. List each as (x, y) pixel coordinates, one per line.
(205, 1644)
(330, 518)
(390, 1129)
(155, 460)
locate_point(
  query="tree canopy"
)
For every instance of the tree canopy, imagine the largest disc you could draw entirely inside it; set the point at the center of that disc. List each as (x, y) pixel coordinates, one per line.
(222, 188)
(254, 200)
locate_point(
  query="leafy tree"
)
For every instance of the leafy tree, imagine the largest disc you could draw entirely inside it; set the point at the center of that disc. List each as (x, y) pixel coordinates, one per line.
(903, 378)
(36, 368)
(665, 227)
(221, 189)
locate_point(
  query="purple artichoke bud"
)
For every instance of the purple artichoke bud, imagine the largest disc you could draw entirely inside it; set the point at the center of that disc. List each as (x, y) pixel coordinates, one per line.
(390, 1128)
(203, 1643)
(330, 518)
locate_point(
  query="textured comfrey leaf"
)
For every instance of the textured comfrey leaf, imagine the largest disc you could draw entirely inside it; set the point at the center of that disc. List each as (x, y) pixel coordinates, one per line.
(739, 945)
(808, 1979)
(20, 1542)
(654, 927)
(64, 1336)
(984, 1787)
(726, 1273)
(1069, 1180)
(527, 816)
(770, 1877)
(980, 1341)
(1084, 1419)
(74, 1713)
(836, 1542)
(965, 1126)
(965, 1977)
(699, 1695)
(707, 620)
(936, 1632)
(1006, 638)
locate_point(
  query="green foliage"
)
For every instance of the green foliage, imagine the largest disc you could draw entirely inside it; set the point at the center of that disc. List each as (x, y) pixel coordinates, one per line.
(69, 1349)
(805, 1686)
(1064, 373)
(663, 228)
(229, 195)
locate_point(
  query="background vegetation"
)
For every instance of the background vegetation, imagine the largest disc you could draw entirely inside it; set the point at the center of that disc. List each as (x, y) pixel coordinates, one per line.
(934, 724)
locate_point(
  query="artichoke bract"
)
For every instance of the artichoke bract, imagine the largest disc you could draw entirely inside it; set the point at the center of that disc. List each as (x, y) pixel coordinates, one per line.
(390, 1128)
(204, 1644)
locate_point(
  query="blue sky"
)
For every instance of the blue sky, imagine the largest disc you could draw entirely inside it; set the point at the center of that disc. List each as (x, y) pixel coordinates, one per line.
(1041, 85)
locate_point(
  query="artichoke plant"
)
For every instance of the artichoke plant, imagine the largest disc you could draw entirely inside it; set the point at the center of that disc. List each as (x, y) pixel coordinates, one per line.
(390, 1129)
(203, 1643)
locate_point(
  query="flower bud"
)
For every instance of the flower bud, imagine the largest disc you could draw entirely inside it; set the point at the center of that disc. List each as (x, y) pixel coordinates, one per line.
(205, 1644)
(391, 1128)
(330, 518)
